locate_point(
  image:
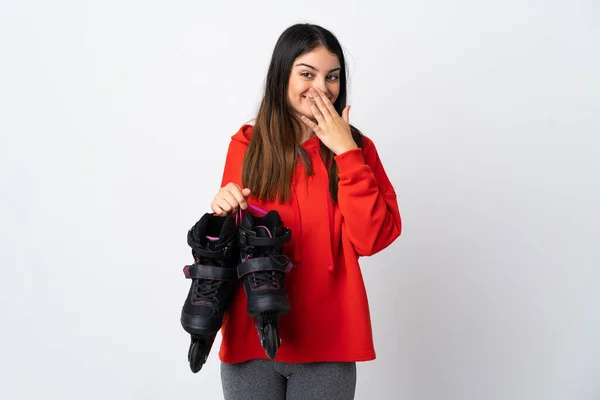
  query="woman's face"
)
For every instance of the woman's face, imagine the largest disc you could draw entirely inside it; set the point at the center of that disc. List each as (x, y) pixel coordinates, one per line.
(318, 69)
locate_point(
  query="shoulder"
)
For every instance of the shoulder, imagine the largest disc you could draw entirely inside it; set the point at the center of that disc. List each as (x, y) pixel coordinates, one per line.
(367, 145)
(362, 140)
(367, 142)
(369, 151)
(244, 134)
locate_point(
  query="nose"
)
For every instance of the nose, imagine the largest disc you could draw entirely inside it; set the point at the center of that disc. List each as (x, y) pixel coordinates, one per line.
(322, 85)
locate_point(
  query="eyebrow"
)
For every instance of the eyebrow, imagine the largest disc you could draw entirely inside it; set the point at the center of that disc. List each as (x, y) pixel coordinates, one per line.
(310, 66)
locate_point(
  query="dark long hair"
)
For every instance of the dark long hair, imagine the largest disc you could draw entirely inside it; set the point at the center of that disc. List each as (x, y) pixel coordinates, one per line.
(271, 156)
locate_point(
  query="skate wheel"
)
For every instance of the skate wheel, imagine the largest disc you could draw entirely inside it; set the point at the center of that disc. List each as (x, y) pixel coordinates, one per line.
(270, 340)
(197, 355)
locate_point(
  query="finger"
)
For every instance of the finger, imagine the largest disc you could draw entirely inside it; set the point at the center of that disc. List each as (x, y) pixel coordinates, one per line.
(317, 113)
(239, 197)
(328, 104)
(233, 186)
(225, 206)
(346, 114)
(241, 201)
(309, 123)
(218, 210)
(321, 105)
(231, 199)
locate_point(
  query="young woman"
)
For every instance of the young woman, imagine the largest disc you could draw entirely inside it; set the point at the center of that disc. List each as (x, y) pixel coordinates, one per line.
(303, 159)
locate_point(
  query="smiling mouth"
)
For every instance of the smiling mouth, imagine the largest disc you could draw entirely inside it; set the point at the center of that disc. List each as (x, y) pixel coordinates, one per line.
(313, 99)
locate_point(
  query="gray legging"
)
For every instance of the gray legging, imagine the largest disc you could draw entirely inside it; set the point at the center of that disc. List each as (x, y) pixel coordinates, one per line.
(274, 380)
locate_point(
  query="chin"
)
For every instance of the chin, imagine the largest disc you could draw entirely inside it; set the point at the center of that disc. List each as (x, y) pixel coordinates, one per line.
(299, 111)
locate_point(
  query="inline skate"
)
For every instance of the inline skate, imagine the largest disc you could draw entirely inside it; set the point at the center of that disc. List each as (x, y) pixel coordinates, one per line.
(214, 279)
(262, 269)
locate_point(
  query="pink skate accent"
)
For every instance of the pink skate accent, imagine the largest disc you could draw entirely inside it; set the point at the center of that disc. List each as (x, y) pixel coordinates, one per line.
(266, 229)
(239, 214)
(238, 217)
(186, 270)
(258, 209)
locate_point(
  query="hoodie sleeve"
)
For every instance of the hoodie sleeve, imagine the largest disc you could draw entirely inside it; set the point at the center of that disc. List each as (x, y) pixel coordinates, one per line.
(367, 200)
(233, 163)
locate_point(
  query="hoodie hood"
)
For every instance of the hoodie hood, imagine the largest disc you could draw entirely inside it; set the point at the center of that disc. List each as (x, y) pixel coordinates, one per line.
(244, 134)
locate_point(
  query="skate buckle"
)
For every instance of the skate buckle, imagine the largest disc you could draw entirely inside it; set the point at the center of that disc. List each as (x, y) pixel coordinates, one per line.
(227, 251)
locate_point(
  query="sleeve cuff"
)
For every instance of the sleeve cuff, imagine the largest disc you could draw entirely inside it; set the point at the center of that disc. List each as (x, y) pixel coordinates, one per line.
(349, 160)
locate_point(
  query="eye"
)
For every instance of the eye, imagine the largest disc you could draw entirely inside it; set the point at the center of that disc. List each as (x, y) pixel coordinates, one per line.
(333, 78)
(306, 74)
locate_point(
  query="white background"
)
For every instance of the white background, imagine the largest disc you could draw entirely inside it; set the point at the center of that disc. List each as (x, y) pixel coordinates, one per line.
(115, 117)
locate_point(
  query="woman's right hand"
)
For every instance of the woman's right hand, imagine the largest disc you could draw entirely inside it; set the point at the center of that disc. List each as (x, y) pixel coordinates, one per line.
(230, 199)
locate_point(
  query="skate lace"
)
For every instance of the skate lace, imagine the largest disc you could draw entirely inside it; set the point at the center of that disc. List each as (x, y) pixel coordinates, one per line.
(266, 280)
(206, 289)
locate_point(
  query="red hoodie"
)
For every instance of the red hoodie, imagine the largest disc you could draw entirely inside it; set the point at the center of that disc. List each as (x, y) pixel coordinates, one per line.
(329, 319)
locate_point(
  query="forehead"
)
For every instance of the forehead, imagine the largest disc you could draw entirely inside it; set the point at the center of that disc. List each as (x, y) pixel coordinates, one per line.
(319, 58)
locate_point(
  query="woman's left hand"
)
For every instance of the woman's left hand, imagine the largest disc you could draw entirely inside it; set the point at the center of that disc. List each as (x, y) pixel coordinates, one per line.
(333, 130)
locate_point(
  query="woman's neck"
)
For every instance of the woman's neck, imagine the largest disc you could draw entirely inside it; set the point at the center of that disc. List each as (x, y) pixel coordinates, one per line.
(306, 134)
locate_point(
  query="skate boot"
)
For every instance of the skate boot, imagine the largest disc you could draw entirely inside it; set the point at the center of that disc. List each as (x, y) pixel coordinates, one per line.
(214, 279)
(262, 268)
